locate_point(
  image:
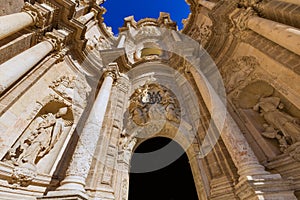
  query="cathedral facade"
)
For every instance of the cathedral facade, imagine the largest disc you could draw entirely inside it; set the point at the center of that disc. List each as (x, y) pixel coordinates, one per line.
(76, 100)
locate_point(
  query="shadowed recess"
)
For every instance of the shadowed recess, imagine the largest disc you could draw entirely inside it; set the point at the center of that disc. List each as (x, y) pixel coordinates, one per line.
(117, 10)
(174, 182)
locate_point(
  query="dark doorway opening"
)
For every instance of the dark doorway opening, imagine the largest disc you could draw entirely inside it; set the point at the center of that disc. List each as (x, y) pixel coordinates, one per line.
(173, 182)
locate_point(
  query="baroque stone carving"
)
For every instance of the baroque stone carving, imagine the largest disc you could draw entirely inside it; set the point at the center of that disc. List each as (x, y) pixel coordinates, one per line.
(37, 16)
(280, 125)
(23, 176)
(150, 97)
(242, 20)
(249, 3)
(41, 136)
(237, 71)
(201, 33)
(57, 39)
(72, 88)
(127, 142)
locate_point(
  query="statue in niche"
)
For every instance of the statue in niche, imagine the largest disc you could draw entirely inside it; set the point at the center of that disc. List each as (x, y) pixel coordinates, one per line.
(153, 101)
(270, 108)
(46, 131)
(238, 71)
(271, 132)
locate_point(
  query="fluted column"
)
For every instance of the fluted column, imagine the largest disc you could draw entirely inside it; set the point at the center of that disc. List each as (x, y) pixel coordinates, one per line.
(16, 67)
(13, 23)
(238, 147)
(283, 35)
(82, 158)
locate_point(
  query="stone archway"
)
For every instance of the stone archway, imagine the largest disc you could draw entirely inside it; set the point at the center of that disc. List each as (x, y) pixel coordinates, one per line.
(174, 181)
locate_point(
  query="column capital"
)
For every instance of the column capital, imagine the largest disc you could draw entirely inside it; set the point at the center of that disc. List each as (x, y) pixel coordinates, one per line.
(242, 19)
(37, 15)
(257, 5)
(249, 3)
(57, 38)
(94, 11)
(112, 70)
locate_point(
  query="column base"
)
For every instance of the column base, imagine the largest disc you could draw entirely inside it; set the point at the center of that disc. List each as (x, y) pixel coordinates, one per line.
(72, 183)
(104, 192)
(222, 188)
(65, 195)
(265, 187)
(72, 188)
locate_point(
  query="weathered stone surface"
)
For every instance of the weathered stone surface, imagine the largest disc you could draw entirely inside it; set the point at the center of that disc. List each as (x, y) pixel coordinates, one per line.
(70, 121)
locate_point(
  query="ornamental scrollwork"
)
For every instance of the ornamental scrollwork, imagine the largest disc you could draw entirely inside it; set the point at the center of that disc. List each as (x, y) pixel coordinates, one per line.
(151, 100)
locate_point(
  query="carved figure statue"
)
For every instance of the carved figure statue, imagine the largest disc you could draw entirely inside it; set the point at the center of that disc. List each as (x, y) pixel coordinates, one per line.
(289, 126)
(127, 142)
(271, 132)
(42, 139)
(171, 111)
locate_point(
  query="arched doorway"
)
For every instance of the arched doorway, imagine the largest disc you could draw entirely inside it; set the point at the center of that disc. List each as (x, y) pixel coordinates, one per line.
(173, 182)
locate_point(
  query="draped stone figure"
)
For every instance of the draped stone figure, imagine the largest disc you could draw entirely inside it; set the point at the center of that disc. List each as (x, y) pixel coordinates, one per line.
(270, 109)
(41, 139)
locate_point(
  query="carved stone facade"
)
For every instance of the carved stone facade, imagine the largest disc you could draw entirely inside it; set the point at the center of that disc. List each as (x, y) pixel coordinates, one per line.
(76, 101)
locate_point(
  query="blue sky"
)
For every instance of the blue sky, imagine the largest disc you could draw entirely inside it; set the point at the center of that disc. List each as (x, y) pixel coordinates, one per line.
(118, 9)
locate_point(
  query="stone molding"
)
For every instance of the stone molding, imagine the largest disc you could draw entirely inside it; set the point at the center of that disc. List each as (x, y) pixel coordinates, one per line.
(36, 14)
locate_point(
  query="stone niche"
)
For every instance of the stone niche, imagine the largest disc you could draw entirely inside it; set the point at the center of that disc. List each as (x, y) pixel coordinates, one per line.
(39, 144)
(273, 122)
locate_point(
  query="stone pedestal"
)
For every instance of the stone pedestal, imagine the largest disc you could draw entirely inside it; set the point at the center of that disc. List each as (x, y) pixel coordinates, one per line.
(59, 195)
(265, 187)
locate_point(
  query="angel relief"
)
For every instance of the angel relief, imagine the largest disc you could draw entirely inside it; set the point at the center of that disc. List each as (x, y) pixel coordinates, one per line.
(153, 101)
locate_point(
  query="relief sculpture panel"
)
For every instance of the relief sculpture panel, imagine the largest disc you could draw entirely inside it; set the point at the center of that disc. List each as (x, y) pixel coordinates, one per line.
(272, 115)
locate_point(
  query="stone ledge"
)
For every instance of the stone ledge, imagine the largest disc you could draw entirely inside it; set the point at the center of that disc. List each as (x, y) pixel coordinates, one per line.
(65, 195)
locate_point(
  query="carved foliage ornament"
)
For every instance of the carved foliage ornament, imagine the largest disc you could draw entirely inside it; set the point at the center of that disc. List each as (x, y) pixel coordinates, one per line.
(242, 20)
(151, 100)
(202, 33)
(37, 16)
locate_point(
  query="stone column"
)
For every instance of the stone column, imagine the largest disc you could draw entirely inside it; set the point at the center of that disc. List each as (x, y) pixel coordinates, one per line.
(121, 41)
(254, 181)
(207, 4)
(13, 23)
(16, 67)
(296, 2)
(284, 35)
(87, 17)
(240, 151)
(82, 158)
